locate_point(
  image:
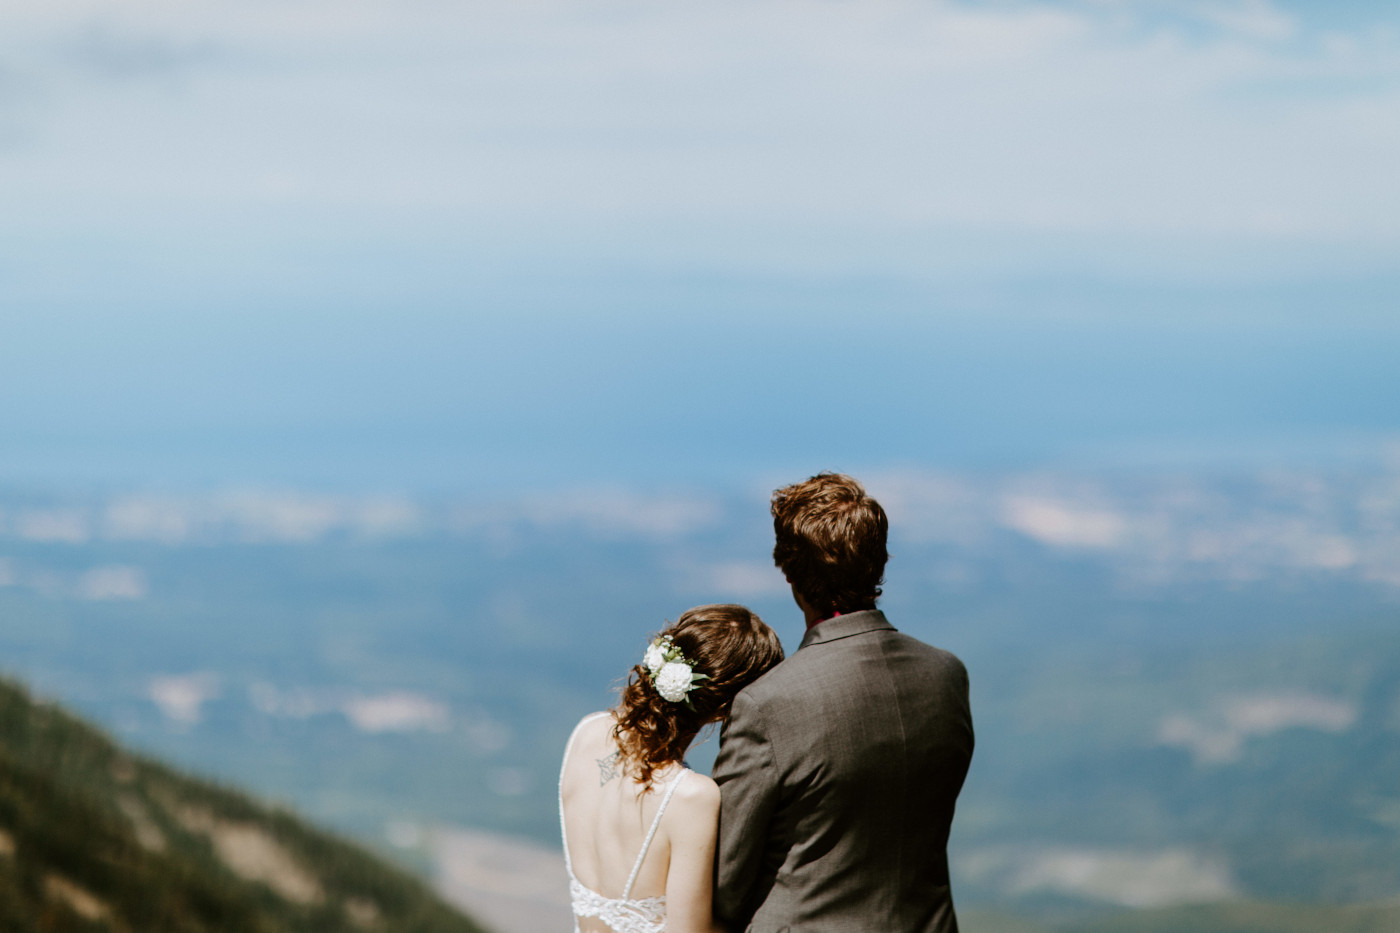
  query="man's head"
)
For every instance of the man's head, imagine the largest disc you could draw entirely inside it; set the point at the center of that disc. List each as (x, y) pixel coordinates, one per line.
(830, 543)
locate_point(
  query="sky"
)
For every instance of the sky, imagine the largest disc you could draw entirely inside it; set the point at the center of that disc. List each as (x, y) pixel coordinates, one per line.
(515, 245)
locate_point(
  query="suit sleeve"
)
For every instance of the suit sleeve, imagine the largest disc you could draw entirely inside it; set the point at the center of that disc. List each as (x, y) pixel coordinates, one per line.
(748, 782)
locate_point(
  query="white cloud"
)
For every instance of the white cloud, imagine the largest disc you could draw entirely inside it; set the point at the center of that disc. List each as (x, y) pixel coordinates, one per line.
(181, 697)
(1219, 736)
(291, 518)
(1127, 877)
(112, 582)
(401, 711)
(392, 711)
(1156, 530)
(1133, 879)
(605, 511)
(735, 580)
(68, 526)
(103, 582)
(582, 126)
(292, 703)
(1063, 524)
(148, 518)
(926, 507)
(1255, 19)
(257, 516)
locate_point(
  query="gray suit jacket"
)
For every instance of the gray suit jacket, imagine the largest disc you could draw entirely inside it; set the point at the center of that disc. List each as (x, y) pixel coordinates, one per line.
(838, 772)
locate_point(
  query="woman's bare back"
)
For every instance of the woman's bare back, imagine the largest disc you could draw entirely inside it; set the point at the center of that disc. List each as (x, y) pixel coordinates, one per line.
(607, 817)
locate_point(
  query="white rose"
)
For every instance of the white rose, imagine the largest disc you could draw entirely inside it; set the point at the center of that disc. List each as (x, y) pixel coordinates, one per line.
(673, 681)
(654, 658)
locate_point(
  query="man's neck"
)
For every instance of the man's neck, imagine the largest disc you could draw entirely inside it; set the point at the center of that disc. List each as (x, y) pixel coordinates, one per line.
(814, 618)
(810, 615)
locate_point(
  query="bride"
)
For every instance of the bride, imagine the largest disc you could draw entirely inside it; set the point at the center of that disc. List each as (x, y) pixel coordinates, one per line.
(639, 827)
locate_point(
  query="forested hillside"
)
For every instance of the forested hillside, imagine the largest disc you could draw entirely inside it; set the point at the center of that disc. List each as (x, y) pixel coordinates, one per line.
(94, 838)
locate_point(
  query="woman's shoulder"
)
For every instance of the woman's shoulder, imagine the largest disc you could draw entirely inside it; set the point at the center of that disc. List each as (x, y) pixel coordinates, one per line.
(591, 731)
(595, 717)
(696, 790)
(595, 723)
(693, 813)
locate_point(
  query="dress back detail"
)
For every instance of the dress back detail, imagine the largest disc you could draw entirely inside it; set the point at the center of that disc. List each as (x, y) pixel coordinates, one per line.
(621, 914)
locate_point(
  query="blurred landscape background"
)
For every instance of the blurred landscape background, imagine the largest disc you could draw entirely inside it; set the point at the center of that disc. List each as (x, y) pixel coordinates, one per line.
(376, 378)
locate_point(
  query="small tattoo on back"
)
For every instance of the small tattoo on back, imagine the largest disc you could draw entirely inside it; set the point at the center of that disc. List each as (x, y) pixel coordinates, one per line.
(607, 768)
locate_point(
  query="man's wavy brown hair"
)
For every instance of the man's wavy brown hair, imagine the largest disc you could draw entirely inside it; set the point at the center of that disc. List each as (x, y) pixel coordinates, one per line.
(830, 542)
(728, 644)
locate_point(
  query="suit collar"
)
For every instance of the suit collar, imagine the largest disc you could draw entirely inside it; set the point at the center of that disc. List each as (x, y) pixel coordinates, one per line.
(844, 626)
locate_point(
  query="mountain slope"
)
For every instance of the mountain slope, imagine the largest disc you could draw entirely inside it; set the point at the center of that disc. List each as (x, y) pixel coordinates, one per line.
(93, 838)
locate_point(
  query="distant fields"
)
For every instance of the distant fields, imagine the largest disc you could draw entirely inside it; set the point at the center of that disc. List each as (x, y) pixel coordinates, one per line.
(1186, 688)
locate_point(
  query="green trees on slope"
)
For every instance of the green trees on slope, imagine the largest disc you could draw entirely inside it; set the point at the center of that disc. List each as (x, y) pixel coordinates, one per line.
(93, 838)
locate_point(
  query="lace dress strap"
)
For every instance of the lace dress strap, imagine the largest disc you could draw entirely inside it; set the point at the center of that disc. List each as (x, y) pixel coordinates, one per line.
(564, 830)
(656, 821)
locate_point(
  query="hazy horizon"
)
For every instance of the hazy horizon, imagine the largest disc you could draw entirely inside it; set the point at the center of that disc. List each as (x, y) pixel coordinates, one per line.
(523, 246)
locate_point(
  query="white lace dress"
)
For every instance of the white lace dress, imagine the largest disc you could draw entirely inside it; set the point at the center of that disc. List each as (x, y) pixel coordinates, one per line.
(621, 914)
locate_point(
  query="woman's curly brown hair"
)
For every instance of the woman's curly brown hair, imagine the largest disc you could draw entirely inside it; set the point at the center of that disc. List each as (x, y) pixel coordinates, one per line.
(731, 646)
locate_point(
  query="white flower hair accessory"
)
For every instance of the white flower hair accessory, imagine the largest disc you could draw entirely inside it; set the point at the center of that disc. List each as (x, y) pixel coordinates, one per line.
(671, 674)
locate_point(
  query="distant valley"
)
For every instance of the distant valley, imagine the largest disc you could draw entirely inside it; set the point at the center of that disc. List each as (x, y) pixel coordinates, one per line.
(1186, 687)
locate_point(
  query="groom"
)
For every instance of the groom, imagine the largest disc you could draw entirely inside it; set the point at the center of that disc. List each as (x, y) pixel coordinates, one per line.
(839, 768)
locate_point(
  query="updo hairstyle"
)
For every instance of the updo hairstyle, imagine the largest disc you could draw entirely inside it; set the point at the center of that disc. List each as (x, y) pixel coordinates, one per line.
(730, 645)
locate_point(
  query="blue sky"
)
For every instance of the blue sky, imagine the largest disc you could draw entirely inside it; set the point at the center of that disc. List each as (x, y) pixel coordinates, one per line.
(447, 244)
